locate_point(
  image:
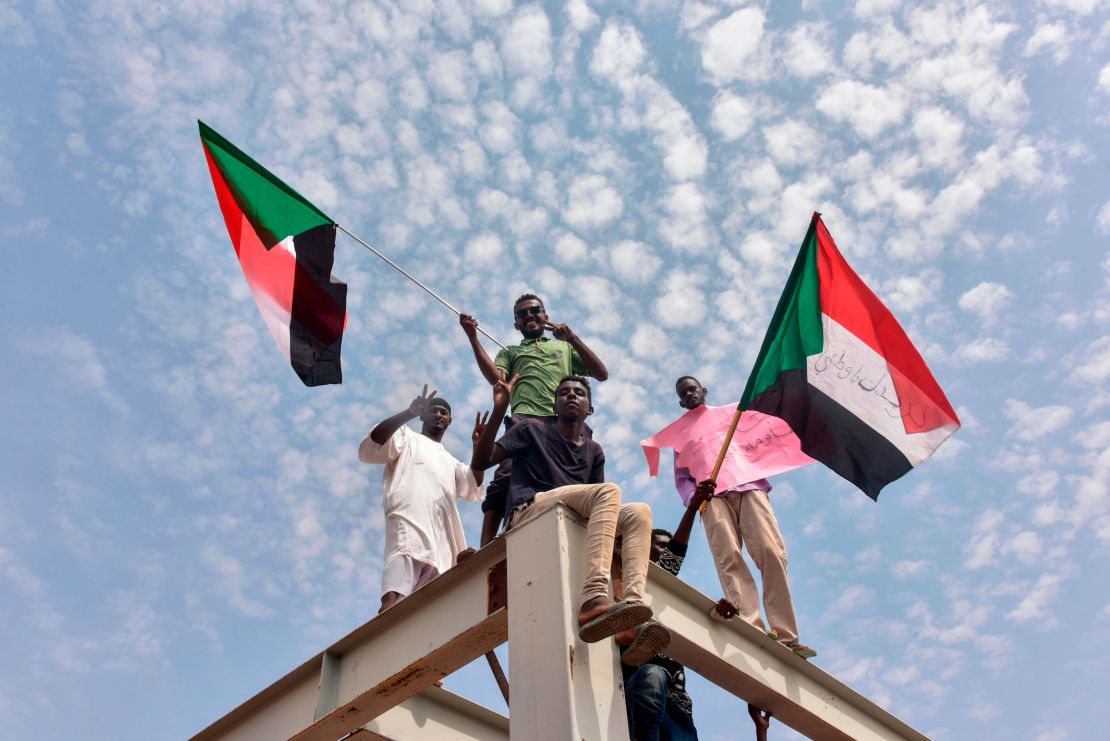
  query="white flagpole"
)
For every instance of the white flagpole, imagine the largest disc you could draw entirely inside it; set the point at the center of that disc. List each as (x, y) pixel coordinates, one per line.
(403, 272)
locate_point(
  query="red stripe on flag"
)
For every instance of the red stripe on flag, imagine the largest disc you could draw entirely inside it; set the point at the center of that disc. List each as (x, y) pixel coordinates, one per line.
(275, 272)
(846, 299)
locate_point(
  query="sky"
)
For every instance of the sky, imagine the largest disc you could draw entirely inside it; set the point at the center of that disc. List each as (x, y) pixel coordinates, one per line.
(182, 522)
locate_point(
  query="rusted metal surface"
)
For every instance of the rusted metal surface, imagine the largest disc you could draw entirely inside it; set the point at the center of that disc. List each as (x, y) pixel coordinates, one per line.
(498, 591)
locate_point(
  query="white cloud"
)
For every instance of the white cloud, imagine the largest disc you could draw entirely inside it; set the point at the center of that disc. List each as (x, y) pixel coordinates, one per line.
(790, 141)
(730, 43)
(1079, 7)
(569, 249)
(1104, 79)
(683, 302)
(634, 261)
(910, 293)
(75, 361)
(1095, 368)
(592, 202)
(987, 300)
(869, 109)
(449, 75)
(733, 116)
(581, 16)
(500, 129)
(1035, 605)
(618, 54)
(875, 8)
(805, 55)
(484, 249)
(906, 569)
(1102, 220)
(1033, 423)
(1025, 546)
(685, 226)
(1052, 37)
(940, 135)
(526, 43)
(648, 103)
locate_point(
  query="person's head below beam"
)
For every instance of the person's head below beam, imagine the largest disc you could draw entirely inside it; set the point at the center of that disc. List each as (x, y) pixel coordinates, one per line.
(691, 394)
(530, 316)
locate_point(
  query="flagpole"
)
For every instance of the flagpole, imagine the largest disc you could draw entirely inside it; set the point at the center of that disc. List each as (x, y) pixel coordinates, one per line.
(724, 449)
(403, 272)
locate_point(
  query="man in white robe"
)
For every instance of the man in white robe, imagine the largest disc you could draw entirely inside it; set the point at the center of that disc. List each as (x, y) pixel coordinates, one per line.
(423, 532)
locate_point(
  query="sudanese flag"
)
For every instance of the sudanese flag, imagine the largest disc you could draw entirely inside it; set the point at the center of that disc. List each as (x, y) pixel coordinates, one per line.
(286, 247)
(840, 370)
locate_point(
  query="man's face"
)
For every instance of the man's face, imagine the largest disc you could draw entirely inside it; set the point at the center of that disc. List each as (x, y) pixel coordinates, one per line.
(658, 543)
(529, 318)
(436, 418)
(690, 394)
(572, 401)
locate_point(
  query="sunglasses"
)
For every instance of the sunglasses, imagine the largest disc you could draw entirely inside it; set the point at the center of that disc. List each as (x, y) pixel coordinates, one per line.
(533, 310)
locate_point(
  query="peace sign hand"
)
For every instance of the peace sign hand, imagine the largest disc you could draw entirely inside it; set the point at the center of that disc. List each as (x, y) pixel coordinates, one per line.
(480, 421)
(420, 403)
(503, 391)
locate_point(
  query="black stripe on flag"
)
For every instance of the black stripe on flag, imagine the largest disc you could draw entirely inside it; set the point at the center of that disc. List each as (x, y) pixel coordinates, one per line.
(833, 435)
(318, 311)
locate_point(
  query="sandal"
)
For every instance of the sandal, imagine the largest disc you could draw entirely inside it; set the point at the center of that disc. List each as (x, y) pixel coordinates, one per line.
(800, 649)
(621, 616)
(651, 638)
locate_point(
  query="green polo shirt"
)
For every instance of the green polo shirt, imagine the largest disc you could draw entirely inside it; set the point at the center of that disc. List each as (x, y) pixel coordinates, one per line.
(541, 364)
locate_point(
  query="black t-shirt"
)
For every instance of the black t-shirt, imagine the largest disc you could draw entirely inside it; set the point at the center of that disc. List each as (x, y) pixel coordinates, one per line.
(544, 460)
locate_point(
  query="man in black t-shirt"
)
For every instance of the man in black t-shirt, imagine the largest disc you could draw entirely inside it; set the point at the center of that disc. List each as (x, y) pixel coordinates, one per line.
(555, 462)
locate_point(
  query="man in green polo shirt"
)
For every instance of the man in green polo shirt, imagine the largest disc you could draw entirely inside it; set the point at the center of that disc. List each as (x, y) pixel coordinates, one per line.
(540, 362)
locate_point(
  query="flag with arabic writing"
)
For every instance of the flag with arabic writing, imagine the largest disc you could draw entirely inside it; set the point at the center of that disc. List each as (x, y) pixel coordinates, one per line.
(840, 370)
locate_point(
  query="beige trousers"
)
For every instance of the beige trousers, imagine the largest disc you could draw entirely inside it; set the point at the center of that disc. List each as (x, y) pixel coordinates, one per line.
(746, 517)
(601, 505)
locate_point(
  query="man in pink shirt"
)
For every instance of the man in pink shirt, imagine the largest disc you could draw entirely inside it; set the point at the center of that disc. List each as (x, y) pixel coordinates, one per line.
(734, 516)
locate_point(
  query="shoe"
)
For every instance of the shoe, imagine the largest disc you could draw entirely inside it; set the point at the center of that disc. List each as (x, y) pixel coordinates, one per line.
(621, 616)
(800, 649)
(651, 638)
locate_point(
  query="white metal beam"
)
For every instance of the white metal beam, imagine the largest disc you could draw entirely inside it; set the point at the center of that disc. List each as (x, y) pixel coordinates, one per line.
(741, 659)
(562, 688)
(394, 656)
(436, 715)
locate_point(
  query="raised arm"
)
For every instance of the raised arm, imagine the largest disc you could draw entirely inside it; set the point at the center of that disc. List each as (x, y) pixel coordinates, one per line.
(480, 422)
(685, 525)
(594, 367)
(486, 452)
(490, 371)
(385, 429)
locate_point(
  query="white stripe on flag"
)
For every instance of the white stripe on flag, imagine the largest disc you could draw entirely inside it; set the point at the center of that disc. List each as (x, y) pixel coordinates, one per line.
(850, 372)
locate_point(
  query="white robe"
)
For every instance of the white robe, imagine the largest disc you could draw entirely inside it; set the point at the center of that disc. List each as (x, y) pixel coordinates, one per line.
(421, 483)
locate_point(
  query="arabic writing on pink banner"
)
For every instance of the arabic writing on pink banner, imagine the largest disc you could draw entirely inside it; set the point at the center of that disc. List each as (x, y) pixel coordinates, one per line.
(761, 447)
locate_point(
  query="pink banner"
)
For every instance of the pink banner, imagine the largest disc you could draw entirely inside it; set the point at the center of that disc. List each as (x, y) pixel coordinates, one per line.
(761, 447)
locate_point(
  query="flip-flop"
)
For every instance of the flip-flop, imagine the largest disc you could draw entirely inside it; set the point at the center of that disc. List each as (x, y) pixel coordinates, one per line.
(800, 649)
(621, 616)
(651, 638)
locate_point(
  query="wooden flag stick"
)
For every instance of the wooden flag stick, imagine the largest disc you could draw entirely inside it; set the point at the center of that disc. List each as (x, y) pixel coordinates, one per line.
(724, 449)
(405, 273)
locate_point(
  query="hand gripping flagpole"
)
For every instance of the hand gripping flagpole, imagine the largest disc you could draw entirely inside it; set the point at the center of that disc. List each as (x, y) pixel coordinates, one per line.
(432, 293)
(724, 449)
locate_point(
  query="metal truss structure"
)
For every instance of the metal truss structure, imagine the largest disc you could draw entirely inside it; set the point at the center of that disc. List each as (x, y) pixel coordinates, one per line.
(378, 682)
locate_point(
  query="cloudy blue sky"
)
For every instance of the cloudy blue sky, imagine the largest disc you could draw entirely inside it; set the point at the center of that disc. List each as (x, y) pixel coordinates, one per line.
(182, 522)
